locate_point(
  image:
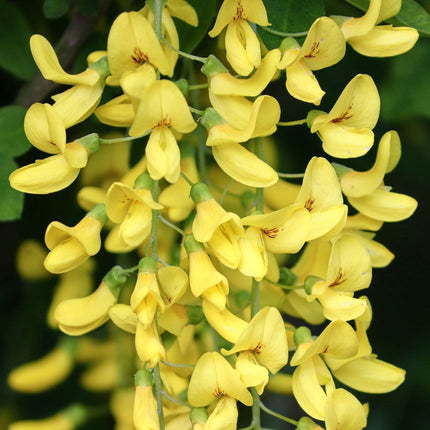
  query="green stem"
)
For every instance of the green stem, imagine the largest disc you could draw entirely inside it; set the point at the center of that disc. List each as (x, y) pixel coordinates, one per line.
(285, 287)
(167, 396)
(179, 230)
(154, 227)
(279, 416)
(224, 193)
(256, 419)
(123, 139)
(197, 111)
(190, 182)
(290, 175)
(184, 54)
(167, 363)
(290, 123)
(198, 87)
(282, 34)
(158, 395)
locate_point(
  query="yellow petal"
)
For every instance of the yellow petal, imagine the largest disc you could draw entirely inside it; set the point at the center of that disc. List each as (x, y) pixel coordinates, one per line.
(44, 128)
(296, 305)
(162, 103)
(47, 62)
(173, 283)
(360, 26)
(385, 41)
(341, 306)
(385, 205)
(184, 11)
(224, 416)
(302, 84)
(228, 325)
(145, 415)
(44, 176)
(117, 112)
(254, 260)
(252, 373)
(42, 374)
(244, 166)
(123, 317)
(226, 84)
(79, 316)
(369, 375)
(212, 378)
(148, 345)
(134, 82)
(131, 42)
(344, 411)
(357, 184)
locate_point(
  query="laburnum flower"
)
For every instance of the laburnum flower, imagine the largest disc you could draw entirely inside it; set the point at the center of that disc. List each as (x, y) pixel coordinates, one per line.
(131, 42)
(46, 372)
(261, 346)
(145, 415)
(71, 246)
(77, 103)
(68, 419)
(254, 260)
(176, 197)
(212, 378)
(324, 46)
(149, 347)
(339, 340)
(234, 120)
(146, 297)
(205, 280)
(241, 42)
(121, 407)
(349, 269)
(366, 191)
(364, 371)
(218, 229)
(29, 261)
(368, 38)
(132, 209)
(346, 131)
(79, 316)
(162, 106)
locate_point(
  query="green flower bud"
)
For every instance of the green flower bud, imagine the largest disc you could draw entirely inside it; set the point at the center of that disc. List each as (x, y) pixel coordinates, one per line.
(200, 193)
(144, 181)
(302, 335)
(213, 66)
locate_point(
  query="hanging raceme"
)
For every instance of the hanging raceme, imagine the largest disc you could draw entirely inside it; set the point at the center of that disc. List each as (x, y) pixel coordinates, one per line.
(212, 257)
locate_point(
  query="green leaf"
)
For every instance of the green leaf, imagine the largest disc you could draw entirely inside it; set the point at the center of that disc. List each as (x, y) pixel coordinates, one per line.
(12, 201)
(406, 91)
(15, 32)
(53, 9)
(411, 15)
(289, 16)
(190, 36)
(12, 137)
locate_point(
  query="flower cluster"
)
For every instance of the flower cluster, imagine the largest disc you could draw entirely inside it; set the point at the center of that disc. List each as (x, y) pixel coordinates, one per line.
(234, 265)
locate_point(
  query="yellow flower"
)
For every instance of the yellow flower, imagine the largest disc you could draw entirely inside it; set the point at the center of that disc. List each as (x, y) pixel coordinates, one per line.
(132, 209)
(213, 378)
(217, 228)
(149, 347)
(205, 280)
(346, 131)
(242, 45)
(29, 261)
(224, 416)
(373, 40)
(80, 316)
(67, 419)
(145, 415)
(162, 106)
(265, 337)
(131, 42)
(71, 246)
(46, 372)
(324, 46)
(254, 260)
(146, 297)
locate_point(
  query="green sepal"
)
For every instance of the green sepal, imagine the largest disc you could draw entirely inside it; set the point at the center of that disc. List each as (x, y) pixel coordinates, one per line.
(340, 169)
(213, 66)
(312, 115)
(288, 43)
(115, 279)
(310, 281)
(148, 264)
(144, 181)
(301, 335)
(101, 66)
(183, 86)
(191, 245)
(305, 423)
(91, 142)
(195, 314)
(69, 344)
(143, 377)
(98, 212)
(199, 415)
(77, 413)
(287, 277)
(210, 118)
(200, 193)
